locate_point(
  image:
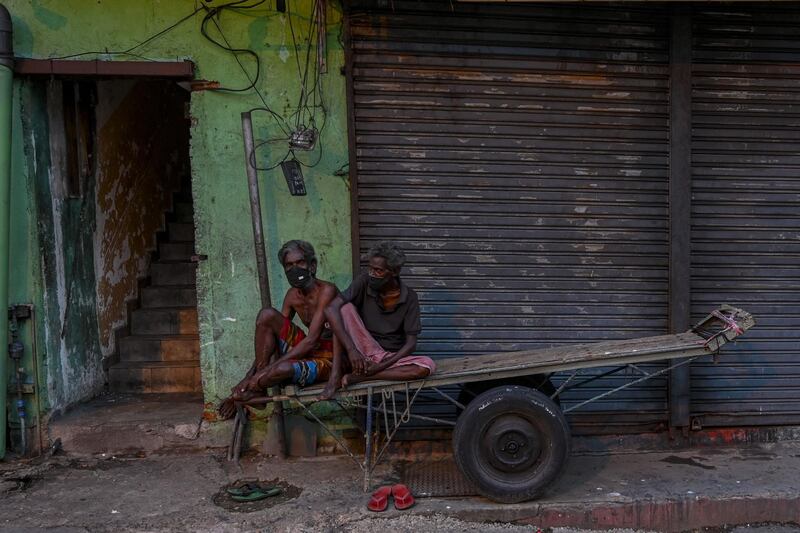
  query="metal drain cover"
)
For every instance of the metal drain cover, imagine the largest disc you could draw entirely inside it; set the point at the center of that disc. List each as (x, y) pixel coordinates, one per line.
(439, 477)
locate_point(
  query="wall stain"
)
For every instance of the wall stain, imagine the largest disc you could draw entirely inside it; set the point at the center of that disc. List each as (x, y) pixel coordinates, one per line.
(48, 17)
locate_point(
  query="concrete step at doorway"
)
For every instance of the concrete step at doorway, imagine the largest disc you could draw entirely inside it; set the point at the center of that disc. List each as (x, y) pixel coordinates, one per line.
(183, 212)
(135, 423)
(169, 296)
(178, 273)
(180, 231)
(155, 377)
(160, 321)
(159, 348)
(175, 251)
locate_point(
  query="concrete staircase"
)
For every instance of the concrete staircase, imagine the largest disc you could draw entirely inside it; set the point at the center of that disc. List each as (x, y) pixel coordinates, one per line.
(160, 350)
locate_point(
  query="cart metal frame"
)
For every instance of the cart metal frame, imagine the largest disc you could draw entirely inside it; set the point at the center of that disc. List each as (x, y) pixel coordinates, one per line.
(721, 326)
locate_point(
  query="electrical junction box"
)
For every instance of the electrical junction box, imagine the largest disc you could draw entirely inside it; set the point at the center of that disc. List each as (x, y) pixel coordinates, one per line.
(303, 139)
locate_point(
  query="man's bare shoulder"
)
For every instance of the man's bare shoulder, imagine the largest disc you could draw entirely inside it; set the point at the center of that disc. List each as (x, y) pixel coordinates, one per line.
(294, 295)
(328, 291)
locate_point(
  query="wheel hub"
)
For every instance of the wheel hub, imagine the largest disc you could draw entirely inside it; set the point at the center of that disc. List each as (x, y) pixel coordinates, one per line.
(512, 443)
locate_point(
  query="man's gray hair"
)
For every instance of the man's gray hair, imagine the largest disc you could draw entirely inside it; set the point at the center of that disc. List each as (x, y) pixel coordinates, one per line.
(304, 247)
(395, 258)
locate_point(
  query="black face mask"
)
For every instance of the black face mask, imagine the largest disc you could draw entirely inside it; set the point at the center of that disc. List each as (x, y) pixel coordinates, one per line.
(299, 278)
(377, 284)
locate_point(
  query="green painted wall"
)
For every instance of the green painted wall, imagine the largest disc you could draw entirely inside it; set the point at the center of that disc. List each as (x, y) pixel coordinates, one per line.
(227, 285)
(25, 282)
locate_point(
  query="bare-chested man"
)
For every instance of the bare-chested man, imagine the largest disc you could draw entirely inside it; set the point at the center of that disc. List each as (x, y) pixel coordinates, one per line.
(376, 322)
(305, 358)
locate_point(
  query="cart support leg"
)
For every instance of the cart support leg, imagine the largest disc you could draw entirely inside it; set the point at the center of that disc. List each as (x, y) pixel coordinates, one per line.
(368, 443)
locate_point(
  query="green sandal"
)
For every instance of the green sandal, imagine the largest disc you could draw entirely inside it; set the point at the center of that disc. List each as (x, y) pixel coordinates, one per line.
(251, 492)
(244, 488)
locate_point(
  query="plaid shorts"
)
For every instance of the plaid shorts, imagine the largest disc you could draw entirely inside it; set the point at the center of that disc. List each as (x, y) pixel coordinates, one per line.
(315, 366)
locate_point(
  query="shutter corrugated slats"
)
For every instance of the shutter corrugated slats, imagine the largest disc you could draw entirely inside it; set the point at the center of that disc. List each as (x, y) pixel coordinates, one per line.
(746, 208)
(519, 154)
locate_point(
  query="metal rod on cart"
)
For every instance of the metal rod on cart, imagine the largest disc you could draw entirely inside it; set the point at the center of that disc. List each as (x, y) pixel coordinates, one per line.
(630, 384)
(564, 385)
(594, 378)
(449, 399)
(416, 417)
(390, 436)
(641, 371)
(238, 433)
(234, 433)
(339, 441)
(368, 443)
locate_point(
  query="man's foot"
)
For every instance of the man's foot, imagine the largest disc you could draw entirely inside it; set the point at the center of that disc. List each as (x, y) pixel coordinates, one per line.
(334, 382)
(352, 379)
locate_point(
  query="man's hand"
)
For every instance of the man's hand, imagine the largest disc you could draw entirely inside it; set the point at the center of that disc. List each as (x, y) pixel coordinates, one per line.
(358, 362)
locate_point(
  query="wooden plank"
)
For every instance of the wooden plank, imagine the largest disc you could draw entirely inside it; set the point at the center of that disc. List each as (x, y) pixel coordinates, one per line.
(526, 362)
(562, 358)
(505, 372)
(181, 70)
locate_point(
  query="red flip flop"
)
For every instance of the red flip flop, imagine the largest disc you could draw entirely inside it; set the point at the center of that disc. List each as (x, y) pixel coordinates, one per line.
(379, 500)
(402, 497)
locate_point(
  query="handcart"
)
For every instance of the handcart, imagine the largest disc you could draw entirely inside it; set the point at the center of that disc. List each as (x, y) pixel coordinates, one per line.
(512, 441)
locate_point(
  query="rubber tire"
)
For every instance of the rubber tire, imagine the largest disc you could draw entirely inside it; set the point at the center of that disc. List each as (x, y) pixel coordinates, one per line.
(506, 413)
(470, 391)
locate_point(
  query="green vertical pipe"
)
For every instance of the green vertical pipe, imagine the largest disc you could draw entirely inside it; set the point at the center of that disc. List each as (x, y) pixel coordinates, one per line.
(6, 79)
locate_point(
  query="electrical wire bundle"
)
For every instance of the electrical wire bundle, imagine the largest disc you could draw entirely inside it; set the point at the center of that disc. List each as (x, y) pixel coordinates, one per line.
(304, 118)
(310, 100)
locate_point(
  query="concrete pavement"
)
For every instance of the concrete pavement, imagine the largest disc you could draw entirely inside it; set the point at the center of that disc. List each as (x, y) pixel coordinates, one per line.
(663, 491)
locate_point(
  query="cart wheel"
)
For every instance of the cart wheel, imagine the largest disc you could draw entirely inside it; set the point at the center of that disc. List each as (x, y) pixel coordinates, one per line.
(511, 442)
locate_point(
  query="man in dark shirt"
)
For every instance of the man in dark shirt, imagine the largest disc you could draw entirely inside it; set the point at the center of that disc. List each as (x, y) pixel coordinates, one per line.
(376, 323)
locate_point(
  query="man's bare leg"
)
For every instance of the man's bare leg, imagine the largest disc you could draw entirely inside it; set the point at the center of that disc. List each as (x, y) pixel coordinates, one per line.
(268, 326)
(400, 373)
(274, 374)
(337, 370)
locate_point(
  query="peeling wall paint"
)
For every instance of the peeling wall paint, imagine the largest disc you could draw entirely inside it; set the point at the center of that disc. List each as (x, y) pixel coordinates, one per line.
(227, 284)
(70, 356)
(142, 143)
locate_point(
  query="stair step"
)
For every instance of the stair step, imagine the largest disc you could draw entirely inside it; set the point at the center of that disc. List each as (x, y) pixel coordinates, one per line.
(175, 251)
(165, 348)
(183, 212)
(180, 232)
(182, 273)
(155, 377)
(169, 296)
(159, 321)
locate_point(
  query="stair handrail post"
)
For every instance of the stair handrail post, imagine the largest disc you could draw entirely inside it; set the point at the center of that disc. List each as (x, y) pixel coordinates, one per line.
(261, 256)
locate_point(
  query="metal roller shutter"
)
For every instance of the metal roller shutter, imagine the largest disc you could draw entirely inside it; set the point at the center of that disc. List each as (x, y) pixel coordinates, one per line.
(519, 154)
(746, 208)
